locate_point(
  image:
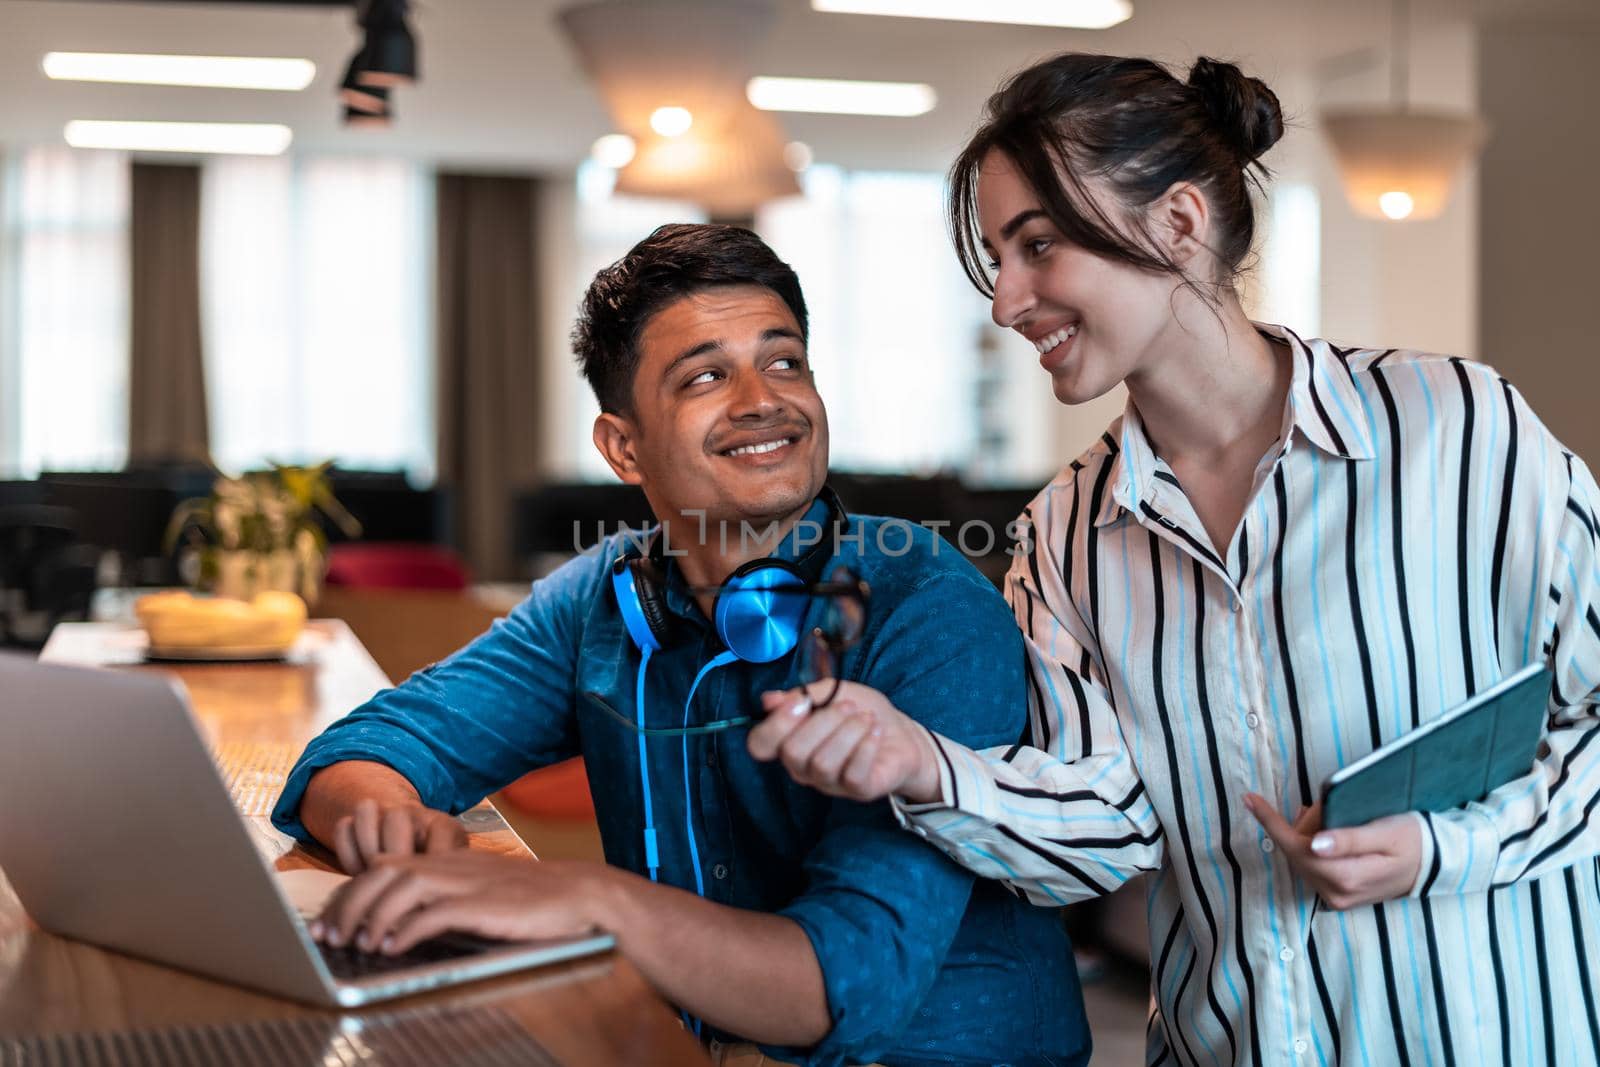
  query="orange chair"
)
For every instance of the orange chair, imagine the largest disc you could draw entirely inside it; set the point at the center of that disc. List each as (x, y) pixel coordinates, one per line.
(559, 792)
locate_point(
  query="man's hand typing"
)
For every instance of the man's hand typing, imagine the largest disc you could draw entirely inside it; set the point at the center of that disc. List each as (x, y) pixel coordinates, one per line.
(404, 900)
(372, 831)
(363, 810)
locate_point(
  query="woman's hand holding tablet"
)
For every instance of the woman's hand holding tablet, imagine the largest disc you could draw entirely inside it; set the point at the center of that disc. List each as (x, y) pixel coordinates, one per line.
(1350, 867)
(1362, 843)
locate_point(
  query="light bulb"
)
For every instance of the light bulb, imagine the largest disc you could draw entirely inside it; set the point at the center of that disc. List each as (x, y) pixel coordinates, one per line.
(614, 150)
(671, 121)
(1396, 204)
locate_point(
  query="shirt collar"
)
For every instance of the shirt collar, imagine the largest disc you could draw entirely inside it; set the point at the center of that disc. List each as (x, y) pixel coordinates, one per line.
(1130, 458)
(1323, 404)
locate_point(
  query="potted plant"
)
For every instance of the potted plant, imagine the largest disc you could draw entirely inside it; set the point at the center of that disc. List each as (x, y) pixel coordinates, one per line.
(259, 531)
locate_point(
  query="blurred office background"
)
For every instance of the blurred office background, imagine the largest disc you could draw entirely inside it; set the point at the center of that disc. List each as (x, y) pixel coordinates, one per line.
(398, 298)
(396, 295)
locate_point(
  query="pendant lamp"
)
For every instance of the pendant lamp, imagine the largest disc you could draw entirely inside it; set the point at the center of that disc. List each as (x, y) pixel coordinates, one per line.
(730, 174)
(1395, 162)
(690, 56)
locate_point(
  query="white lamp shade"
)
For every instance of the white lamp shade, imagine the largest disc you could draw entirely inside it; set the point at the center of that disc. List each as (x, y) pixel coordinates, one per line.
(648, 54)
(730, 173)
(1418, 154)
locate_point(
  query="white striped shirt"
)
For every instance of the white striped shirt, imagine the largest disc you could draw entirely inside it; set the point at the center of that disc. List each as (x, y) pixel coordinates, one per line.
(1416, 535)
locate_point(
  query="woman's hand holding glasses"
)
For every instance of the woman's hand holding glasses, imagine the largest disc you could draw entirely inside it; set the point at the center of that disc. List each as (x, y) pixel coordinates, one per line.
(838, 737)
(855, 744)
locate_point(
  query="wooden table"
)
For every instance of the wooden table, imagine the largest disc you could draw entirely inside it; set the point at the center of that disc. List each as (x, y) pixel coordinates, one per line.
(257, 717)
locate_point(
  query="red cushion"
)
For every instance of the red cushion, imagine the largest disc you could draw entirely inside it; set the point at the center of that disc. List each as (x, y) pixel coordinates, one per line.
(560, 791)
(396, 566)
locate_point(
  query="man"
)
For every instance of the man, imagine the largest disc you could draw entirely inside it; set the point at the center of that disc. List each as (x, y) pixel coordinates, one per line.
(768, 912)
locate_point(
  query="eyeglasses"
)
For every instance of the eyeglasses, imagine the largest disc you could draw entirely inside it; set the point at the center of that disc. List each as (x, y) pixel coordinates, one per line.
(820, 650)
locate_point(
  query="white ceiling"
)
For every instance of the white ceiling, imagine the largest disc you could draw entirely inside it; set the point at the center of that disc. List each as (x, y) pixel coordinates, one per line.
(502, 89)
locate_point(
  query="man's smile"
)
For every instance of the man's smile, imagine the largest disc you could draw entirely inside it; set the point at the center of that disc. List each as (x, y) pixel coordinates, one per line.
(771, 446)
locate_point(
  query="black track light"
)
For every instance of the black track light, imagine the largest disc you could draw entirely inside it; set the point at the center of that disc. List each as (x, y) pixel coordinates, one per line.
(390, 54)
(368, 120)
(370, 99)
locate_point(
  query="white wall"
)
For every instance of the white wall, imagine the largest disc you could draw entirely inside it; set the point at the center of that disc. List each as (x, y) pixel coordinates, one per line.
(1410, 284)
(1541, 222)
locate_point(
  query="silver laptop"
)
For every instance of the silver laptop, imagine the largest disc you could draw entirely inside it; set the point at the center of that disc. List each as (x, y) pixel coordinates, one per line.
(116, 828)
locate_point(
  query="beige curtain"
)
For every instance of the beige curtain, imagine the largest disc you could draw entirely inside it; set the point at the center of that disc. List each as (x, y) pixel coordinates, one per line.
(488, 363)
(166, 381)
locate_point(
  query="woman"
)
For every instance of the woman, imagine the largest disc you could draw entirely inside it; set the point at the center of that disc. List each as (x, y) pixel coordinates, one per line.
(1282, 555)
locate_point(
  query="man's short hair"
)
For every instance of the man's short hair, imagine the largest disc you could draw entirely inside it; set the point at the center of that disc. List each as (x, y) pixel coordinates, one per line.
(675, 261)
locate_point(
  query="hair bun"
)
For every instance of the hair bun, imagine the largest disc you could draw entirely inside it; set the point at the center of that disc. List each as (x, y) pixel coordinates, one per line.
(1245, 110)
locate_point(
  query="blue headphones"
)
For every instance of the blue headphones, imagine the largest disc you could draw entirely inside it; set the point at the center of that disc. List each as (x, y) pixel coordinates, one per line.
(751, 616)
(755, 622)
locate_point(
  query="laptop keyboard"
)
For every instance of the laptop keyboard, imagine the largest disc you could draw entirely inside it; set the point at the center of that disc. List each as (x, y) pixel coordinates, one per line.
(349, 964)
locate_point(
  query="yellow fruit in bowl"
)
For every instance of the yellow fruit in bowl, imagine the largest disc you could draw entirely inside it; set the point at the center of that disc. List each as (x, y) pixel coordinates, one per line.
(152, 603)
(281, 605)
(177, 620)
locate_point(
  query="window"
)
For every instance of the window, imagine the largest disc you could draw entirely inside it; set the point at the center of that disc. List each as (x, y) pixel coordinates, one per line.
(317, 309)
(64, 336)
(897, 332)
(1289, 274)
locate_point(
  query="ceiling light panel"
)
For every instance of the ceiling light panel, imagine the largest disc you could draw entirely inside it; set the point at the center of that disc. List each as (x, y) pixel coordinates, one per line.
(833, 97)
(1074, 14)
(228, 138)
(212, 72)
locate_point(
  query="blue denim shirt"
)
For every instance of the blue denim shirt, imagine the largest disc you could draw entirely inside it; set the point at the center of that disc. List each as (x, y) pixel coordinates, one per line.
(921, 964)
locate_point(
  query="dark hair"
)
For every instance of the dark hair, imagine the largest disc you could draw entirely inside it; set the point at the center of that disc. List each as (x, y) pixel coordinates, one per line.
(1134, 125)
(676, 260)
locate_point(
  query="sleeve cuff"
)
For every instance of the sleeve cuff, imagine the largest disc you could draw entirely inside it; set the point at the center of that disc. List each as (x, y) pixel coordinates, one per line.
(1459, 851)
(1428, 857)
(286, 811)
(966, 788)
(866, 1012)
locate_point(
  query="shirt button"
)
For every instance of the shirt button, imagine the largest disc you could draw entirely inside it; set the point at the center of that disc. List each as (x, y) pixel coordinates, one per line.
(720, 871)
(1267, 845)
(1235, 605)
(1286, 954)
(1252, 720)
(1300, 1047)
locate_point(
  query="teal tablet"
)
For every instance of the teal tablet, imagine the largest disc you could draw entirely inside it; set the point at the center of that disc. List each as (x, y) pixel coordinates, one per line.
(1457, 758)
